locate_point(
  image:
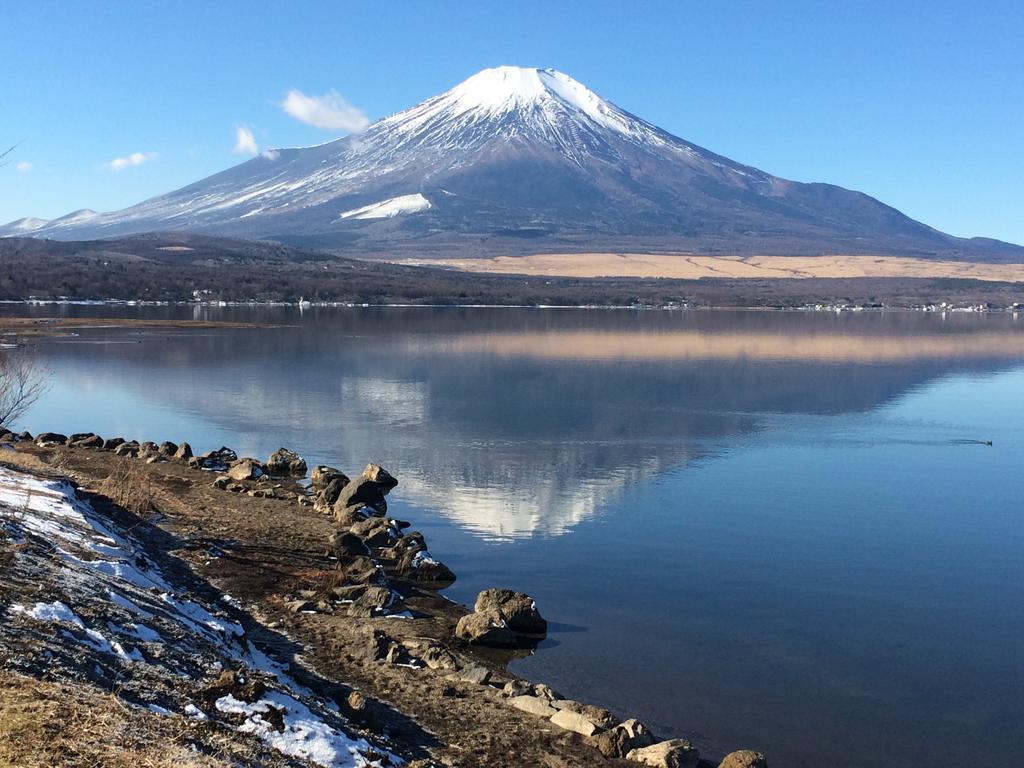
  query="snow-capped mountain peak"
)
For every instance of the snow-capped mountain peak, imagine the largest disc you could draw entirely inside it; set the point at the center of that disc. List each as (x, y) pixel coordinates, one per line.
(517, 159)
(500, 90)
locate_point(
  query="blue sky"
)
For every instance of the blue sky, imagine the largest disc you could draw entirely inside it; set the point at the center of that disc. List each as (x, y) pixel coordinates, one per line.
(920, 104)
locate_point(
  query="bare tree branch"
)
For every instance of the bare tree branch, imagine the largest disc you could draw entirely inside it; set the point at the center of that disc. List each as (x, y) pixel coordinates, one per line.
(22, 382)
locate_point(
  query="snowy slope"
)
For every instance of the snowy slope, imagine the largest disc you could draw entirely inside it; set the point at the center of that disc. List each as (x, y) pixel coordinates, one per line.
(511, 153)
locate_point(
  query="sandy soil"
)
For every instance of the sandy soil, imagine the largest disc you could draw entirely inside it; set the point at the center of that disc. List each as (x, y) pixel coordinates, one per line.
(686, 267)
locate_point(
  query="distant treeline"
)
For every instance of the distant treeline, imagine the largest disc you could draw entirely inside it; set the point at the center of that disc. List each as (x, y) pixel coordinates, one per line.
(176, 267)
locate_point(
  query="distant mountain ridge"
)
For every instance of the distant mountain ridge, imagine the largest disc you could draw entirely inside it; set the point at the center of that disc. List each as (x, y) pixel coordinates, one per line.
(517, 160)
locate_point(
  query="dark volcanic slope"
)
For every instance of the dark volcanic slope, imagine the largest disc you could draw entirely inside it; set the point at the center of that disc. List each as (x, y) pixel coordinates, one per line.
(522, 160)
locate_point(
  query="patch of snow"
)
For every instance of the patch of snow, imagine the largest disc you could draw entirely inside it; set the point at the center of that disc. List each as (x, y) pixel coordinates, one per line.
(55, 611)
(191, 710)
(305, 735)
(388, 209)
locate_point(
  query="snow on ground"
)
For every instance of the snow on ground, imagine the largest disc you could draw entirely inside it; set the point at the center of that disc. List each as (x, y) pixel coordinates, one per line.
(388, 209)
(99, 585)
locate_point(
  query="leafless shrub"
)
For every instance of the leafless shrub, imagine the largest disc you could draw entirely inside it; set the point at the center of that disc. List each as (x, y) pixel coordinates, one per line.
(129, 486)
(22, 382)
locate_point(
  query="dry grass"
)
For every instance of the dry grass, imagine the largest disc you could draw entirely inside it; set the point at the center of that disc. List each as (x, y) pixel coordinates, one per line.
(692, 267)
(129, 486)
(47, 724)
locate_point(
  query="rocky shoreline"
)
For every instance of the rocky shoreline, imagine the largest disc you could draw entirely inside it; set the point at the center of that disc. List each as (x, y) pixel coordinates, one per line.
(321, 562)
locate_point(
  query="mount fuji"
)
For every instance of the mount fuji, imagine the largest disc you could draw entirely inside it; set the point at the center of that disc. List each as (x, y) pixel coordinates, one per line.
(517, 160)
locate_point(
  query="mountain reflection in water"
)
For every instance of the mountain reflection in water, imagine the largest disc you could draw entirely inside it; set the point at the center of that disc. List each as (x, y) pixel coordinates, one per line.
(514, 423)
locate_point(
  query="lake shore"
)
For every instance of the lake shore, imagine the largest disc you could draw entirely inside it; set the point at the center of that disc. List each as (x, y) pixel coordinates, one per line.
(347, 595)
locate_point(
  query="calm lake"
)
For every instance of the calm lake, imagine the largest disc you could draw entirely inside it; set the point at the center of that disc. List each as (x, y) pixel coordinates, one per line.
(769, 530)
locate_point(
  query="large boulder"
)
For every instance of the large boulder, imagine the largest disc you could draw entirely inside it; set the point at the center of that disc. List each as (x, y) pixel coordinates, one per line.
(129, 449)
(322, 475)
(480, 629)
(375, 601)
(363, 492)
(111, 443)
(218, 460)
(345, 544)
(167, 448)
(376, 532)
(85, 440)
(744, 758)
(184, 452)
(286, 462)
(417, 565)
(246, 469)
(50, 439)
(674, 753)
(377, 474)
(623, 738)
(517, 610)
(329, 493)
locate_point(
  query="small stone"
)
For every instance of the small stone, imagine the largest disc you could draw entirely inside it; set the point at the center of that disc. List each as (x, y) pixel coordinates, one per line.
(356, 701)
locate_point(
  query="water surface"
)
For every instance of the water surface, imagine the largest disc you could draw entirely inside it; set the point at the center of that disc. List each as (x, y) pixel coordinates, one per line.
(767, 530)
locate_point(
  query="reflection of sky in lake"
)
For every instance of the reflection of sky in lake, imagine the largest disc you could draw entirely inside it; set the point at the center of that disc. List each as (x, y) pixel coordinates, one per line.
(779, 538)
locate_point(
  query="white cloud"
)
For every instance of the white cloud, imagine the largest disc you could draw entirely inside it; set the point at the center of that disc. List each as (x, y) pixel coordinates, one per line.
(330, 112)
(245, 142)
(23, 166)
(135, 158)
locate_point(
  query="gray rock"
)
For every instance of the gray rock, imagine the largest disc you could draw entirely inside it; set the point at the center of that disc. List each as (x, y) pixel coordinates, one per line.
(286, 462)
(300, 606)
(377, 474)
(112, 442)
(744, 758)
(517, 610)
(517, 688)
(323, 475)
(477, 674)
(167, 448)
(674, 753)
(575, 722)
(533, 705)
(623, 738)
(365, 492)
(479, 629)
(246, 469)
(50, 439)
(343, 543)
(86, 440)
(184, 452)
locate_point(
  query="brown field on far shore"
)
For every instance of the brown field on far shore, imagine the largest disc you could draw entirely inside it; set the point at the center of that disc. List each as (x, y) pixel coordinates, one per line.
(688, 267)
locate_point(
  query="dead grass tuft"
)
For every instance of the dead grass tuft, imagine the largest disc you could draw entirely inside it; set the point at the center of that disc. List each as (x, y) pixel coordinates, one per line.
(129, 486)
(48, 724)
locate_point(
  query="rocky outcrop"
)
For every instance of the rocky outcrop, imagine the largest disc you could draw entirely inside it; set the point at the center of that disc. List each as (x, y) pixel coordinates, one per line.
(284, 462)
(674, 753)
